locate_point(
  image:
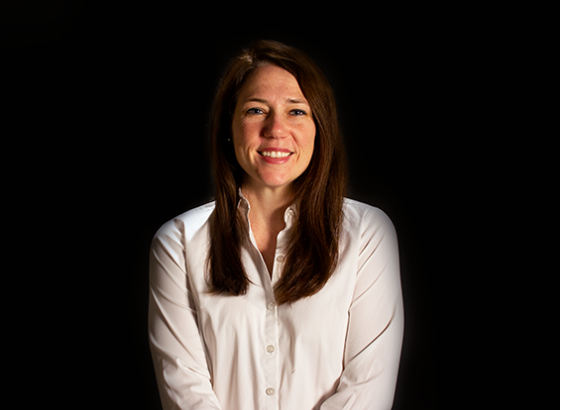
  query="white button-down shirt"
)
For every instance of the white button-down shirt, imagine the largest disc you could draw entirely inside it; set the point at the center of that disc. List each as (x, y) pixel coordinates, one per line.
(338, 349)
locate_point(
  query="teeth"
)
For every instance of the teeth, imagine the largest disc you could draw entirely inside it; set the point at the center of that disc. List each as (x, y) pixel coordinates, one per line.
(275, 154)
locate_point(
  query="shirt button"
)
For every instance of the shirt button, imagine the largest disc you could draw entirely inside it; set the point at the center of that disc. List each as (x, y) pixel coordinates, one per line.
(270, 348)
(270, 391)
(271, 306)
(280, 258)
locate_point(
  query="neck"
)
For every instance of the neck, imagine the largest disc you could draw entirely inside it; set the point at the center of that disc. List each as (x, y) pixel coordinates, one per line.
(268, 205)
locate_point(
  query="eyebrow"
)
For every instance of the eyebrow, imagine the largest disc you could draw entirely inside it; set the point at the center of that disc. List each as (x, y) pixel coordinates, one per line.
(289, 100)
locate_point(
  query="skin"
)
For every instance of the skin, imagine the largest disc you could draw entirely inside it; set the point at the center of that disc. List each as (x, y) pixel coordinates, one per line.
(271, 112)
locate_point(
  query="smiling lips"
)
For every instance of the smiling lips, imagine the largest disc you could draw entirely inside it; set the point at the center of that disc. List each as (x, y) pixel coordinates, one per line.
(275, 155)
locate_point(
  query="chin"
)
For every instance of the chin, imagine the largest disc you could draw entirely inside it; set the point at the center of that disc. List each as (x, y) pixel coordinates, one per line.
(274, 181)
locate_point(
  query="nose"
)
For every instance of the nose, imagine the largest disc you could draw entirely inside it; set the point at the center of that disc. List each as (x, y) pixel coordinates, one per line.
(276, 126)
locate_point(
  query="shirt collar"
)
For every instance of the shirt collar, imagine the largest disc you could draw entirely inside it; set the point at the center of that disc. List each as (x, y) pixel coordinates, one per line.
(244, 205)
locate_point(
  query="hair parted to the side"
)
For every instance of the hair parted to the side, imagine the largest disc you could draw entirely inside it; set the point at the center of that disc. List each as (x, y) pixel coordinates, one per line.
(314, 245)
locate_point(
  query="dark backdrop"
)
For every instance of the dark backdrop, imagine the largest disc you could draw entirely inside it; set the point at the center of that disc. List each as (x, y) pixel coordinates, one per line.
(116, 105)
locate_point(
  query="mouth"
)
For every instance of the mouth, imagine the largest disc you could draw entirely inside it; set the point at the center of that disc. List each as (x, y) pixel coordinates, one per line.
(275, 154)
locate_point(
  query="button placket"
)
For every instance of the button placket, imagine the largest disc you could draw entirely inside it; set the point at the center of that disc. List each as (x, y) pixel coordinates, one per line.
(270, 357)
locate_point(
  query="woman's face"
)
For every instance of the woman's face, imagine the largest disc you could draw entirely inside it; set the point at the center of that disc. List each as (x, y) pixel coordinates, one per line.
(273, 129)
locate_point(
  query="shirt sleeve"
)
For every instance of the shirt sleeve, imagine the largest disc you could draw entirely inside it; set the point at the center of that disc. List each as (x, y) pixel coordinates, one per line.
(376, 322)
(178, 354)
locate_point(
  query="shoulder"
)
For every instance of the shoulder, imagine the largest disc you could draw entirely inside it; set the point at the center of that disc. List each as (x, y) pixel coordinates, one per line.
(372, 231)
(364, 216)
(186, 224)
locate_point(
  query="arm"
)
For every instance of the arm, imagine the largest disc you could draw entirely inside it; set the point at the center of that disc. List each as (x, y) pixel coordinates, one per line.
(176, 347)
(376, 323)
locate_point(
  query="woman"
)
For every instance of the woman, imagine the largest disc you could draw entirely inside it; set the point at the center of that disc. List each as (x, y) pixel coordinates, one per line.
(280, 294)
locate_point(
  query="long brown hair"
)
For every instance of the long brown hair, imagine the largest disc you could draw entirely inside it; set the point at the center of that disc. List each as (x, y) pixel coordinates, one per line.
(314, 245)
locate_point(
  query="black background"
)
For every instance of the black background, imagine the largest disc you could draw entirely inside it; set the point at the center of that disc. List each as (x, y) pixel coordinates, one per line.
(112, 108)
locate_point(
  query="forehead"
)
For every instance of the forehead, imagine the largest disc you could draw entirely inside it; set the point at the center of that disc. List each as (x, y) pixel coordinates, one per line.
(272, 81)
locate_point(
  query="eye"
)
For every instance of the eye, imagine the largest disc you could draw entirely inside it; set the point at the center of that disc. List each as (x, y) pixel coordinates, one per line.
(297, 112)
(254, 111)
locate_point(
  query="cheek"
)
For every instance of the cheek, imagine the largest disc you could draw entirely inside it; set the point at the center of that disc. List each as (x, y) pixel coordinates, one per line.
(242, 133)
(310, 140)
(242, 144)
